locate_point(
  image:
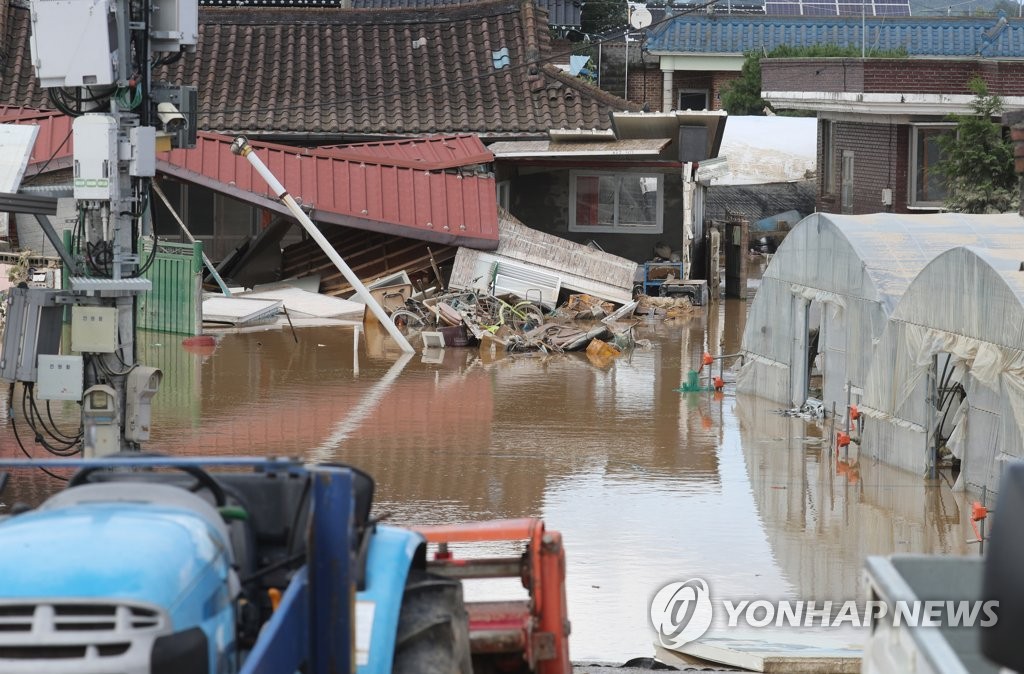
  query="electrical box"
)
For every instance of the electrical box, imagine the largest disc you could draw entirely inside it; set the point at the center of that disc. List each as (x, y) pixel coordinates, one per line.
(143, 383)
(142, 152)
(94, 329)
(102, 424)
(175, 24)
(95, 157)
(60, 378)
(693, 143)
(886, 196)
(32, 328)
(73, 42)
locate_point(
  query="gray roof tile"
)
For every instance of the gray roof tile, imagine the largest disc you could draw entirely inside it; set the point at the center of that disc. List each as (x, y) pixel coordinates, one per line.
(347, 73)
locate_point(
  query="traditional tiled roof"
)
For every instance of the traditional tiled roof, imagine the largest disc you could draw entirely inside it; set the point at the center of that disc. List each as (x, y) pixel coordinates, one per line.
(321, 74)
(946, 36)
(561, 13)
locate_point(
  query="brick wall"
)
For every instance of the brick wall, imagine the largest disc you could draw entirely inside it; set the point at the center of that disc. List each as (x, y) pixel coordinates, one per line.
(718, 81)
(880, 158)
(942, 77)
(691, 79)
(909, 76)
(834, 74)
(645, 87)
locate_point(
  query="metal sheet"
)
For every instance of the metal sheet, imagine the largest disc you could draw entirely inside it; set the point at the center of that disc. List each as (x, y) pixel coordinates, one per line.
(15, 148)
(311, 304)
(645, 147)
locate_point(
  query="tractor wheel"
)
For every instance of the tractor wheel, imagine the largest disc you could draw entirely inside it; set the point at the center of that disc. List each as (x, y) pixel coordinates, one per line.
(433, 627)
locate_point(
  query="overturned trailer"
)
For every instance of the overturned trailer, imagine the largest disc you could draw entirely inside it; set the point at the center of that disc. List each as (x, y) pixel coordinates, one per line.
(830, 289)
(949, 368)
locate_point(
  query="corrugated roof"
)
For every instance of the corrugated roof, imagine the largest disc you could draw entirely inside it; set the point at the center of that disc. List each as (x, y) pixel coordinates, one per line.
(753, 202)
(431, 152)
(648, 147)
(423, 200)
(439, 206)
(735, 34)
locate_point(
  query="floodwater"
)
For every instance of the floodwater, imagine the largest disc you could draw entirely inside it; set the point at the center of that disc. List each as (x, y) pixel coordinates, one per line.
(646, 484)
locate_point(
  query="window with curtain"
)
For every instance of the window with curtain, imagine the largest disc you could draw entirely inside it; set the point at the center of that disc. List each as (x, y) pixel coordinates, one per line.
(616, 202)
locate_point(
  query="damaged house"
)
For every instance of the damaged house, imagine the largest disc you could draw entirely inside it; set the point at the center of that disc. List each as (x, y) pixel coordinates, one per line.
(379, 78)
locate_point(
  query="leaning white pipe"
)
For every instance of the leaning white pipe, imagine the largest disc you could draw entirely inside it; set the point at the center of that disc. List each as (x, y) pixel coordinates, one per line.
(242, 148)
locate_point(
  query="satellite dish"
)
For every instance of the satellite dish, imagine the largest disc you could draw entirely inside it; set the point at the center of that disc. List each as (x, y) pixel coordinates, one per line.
(639, 17)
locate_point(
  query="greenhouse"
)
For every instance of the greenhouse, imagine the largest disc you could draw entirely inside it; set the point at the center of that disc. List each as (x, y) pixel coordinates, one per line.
(948, 372)
(827, 293)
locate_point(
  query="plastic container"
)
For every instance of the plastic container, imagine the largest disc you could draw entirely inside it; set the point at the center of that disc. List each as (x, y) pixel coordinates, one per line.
(454, 335)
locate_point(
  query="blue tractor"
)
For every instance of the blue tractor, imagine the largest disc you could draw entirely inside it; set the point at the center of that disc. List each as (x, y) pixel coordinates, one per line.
(156, 565)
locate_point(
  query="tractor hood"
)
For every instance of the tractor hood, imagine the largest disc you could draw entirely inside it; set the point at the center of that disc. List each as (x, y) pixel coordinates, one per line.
(151, 552)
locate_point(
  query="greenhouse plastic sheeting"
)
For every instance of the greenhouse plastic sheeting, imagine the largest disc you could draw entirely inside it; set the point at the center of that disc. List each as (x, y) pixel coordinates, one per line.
(967, 303)
(856, 268)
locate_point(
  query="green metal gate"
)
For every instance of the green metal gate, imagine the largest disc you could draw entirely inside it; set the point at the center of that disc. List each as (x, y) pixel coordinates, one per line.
(175, 302)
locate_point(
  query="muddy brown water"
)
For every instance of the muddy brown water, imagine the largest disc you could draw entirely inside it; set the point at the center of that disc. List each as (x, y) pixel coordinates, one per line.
(646, 484)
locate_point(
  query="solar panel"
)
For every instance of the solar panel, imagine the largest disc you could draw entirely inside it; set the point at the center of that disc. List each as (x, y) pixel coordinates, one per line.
(270, 3)
(837, 7)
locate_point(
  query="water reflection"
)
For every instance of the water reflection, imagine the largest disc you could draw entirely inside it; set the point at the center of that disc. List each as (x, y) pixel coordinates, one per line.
(647, 485)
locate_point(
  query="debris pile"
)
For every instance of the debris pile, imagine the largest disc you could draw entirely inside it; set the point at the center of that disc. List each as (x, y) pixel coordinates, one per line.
(666, 307)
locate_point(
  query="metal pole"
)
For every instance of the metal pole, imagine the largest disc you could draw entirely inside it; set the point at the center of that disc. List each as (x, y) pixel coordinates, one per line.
(863, 37)
(192, 239)
(625, 93)
(242, 148)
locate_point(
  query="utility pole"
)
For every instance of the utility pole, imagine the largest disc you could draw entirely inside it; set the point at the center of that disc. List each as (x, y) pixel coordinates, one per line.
(96, 57)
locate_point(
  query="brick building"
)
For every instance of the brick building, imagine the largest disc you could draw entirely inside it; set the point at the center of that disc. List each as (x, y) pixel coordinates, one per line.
(879, 121)
(697, 54)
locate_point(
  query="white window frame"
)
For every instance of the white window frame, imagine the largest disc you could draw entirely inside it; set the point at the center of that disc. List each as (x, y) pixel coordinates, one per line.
(617, 228)
(912, 201)
(828, 156)
(705, 92)
(847, 184)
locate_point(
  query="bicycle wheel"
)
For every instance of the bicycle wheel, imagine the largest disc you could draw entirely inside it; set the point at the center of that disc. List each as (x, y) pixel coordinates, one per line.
(408, 322)
(524, 316)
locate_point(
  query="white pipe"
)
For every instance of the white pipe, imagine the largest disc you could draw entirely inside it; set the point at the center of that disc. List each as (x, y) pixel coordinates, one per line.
(242, 148)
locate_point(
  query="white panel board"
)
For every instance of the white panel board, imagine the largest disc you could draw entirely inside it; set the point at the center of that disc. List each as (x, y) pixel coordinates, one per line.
(16, 143)
(298, 301)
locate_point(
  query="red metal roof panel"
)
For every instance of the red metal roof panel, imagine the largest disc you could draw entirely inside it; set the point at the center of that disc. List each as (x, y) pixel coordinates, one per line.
(396, 195)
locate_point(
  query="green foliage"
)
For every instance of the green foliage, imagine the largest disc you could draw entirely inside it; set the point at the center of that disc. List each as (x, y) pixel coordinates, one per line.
(742, 96)
(785, 51)
(977, 160)
(597, 16)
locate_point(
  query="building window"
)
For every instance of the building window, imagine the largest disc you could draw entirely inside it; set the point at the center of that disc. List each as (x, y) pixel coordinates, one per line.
(828, 177)
(846, 196)
(693, 99)
(504, 190)
(615, 202)
(927, 186)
